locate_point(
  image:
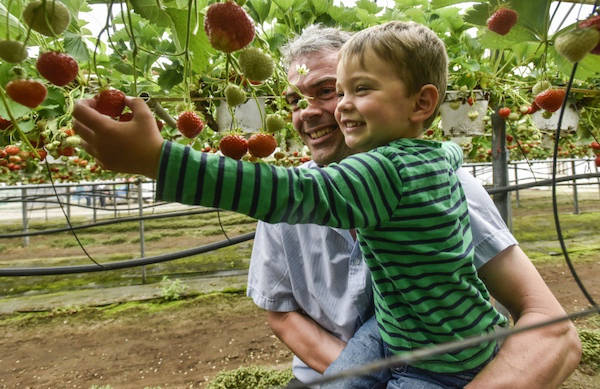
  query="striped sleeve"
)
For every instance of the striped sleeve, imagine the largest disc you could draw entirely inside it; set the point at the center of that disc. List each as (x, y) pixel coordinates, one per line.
(454, 154)
(361, 191)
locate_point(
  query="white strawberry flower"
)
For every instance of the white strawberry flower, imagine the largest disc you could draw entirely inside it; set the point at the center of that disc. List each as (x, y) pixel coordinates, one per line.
(302, 69)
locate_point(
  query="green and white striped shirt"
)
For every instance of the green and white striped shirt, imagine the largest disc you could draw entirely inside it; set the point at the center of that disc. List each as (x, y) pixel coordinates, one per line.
(412, 223)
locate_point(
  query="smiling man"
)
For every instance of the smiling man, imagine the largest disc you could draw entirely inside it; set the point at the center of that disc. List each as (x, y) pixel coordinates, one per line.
(316, 287)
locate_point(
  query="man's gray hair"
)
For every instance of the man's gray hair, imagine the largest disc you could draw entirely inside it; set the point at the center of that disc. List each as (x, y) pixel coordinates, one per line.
(314, 38)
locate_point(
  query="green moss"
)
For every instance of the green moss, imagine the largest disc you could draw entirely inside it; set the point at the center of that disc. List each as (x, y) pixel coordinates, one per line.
(590, 342)
(251, 377)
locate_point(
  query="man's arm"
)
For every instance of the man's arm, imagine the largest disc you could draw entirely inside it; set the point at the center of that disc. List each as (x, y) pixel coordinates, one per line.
(541, 358)
(308, 340)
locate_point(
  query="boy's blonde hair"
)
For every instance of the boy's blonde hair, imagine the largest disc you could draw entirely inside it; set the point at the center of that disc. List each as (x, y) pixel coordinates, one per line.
(416, 52)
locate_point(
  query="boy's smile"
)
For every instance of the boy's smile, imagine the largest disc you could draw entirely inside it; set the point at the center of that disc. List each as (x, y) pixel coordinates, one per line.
(373, 104)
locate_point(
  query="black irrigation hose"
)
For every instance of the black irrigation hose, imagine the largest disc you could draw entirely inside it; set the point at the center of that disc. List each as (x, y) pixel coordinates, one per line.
(58, 270)
(107, 222)
(509, 188)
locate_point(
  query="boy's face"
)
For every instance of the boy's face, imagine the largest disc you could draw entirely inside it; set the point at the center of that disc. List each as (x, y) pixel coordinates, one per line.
(373, 104)
(316, 123)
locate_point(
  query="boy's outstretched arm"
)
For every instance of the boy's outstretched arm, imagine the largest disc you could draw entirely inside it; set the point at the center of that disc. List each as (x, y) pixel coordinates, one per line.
(126, 147)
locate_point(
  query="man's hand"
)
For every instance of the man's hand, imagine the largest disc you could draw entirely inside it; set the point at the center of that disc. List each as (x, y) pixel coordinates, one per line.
(126, 147)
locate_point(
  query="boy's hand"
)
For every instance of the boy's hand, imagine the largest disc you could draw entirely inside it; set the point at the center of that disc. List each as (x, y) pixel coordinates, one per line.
(126, 147)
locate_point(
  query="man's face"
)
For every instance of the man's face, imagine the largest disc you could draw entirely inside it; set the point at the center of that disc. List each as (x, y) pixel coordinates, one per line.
(316, 123)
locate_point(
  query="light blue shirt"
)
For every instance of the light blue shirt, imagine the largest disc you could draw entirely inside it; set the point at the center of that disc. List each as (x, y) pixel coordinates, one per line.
(319, 270)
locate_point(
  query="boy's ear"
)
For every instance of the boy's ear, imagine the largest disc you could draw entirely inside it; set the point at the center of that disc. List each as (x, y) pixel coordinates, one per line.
(426, 101)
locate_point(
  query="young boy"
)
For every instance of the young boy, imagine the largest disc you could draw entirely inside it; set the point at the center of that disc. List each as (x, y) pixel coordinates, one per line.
(401, 195)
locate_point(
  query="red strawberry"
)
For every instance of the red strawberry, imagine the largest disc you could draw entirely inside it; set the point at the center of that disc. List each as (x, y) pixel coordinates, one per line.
(4, 124)
(533, 108)
(261, 145)
(126, 117)
(597, 161)
(233, 146)
(42, 153)
(159, 124)
(58, 68)
(550, 99)
(594, 21)
(509, 138)
(502, 20)
(189, 124)
(67, 151)
(504, 112)
(595, 145)
(12, 150)
(29, 93)
(228, 27)
(470, 101)
(110, 102)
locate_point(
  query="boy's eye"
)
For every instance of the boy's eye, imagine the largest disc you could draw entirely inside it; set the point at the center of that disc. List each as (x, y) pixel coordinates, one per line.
(340, 95)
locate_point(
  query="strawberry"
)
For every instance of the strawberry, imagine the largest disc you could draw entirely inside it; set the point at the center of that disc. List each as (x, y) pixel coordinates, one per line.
(189, 124)
(233, 146)
(255, 64)
(502, 20)
(575, 44)
(228, 27)
(533, 108)
(12, 150)
(42, 154)
(504, 112)
(261, 145)
(29, 93)
(509, 138)
(58, 68)
(12, 51)
(234, 95)
(274, 122)
(160, 125)
(594, 21)
(470, 101)
(126, 117)
(110, 102)
(4, 124)
(550, 99)
(595, 145)
(597, 161)
(48, 17)
(67, 151)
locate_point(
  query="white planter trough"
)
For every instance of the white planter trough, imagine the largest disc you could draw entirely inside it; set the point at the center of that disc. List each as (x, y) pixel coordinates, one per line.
(247, 115)
(460, 121)
(570, 121)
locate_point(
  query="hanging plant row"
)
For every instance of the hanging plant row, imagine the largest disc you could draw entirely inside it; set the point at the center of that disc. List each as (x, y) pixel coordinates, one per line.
(214, 76)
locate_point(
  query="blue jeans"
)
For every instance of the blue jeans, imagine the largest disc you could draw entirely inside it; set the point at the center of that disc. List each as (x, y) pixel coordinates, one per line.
(366, 346)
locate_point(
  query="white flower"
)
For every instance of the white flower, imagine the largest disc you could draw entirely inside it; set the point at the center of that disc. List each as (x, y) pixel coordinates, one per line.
(302, 69)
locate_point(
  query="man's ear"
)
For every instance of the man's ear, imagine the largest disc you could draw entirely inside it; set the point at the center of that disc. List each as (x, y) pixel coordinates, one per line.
(426, 101)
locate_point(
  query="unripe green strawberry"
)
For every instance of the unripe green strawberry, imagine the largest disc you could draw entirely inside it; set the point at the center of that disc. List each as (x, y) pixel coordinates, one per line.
(255, 64)
(455, 104)
(12, 51)
(274, 122)
(50, 20)
(593, 22)
(234, 95)
(473, 115)
(574, 45)
(513, 116)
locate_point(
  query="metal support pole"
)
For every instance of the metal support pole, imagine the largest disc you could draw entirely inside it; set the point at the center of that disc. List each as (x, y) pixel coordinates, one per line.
(24, 214)
(115, 195)
(68, 201)
(517, 183)
(94, 211)
(500, 168)
(596, 168)
(575, 197)
(141, 214)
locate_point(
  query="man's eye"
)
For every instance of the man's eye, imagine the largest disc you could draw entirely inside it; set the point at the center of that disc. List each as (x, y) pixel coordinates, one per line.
(326, 93)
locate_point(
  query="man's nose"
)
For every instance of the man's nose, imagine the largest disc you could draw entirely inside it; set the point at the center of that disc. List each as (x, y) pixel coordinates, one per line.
(313, 109)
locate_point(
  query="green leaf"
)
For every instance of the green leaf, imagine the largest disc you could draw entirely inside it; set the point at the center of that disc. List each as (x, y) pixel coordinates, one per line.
(444, 3)
(169, 78)
(14, 24)
(259, 10)
(148, 9)
(369, 6)
(285, 5)
(76, 47)
(588, 67)
(516, 35)
(199, 47)
(321, 6)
